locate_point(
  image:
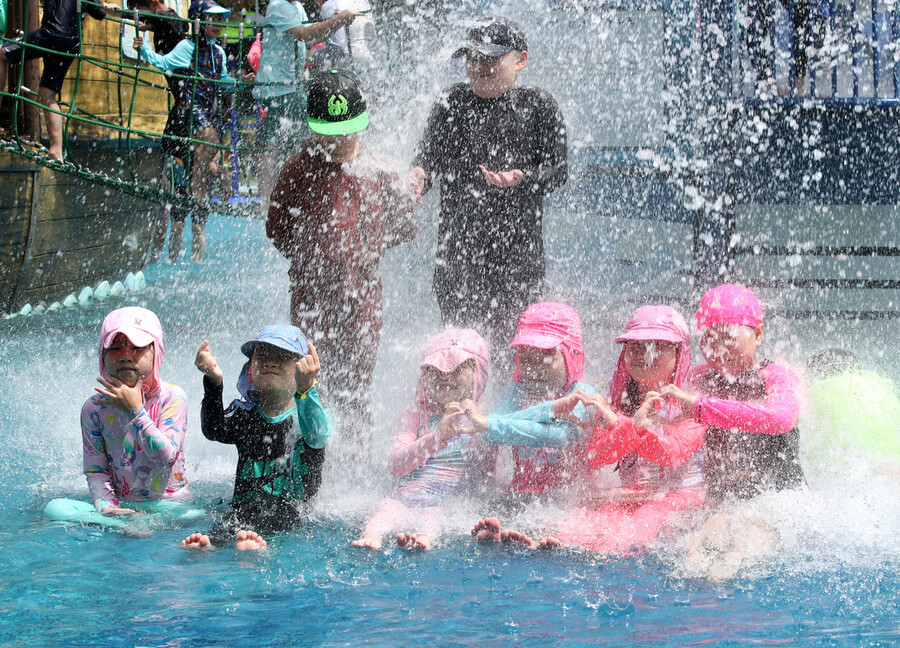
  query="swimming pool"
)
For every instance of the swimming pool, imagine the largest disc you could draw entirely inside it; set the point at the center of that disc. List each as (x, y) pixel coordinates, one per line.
(834, 581)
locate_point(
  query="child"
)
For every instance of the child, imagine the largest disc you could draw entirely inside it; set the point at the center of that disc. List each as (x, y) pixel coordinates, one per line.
(60, 33)
(496, 150)
(432, 453)
(279, 428)
(195, 113)
(335, 211)
(658, 460)
(133, 429)
(279, 90)
(549, 363)
(750, 408)
(749, 405)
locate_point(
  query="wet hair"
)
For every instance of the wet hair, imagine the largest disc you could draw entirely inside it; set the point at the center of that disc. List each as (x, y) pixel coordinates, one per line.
(831, 362)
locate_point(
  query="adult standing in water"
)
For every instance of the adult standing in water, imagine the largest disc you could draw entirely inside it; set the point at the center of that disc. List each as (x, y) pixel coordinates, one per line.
(496, 150)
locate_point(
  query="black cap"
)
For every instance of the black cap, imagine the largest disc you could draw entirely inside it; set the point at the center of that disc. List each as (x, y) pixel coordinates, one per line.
(493, 38)
(335, 104)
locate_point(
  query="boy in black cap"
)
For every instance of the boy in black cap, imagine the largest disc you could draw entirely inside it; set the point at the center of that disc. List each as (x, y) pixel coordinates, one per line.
(334, 212)
(497, 150)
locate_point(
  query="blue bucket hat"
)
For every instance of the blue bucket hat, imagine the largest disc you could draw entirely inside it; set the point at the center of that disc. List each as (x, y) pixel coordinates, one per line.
(200, 7)
(282, 336)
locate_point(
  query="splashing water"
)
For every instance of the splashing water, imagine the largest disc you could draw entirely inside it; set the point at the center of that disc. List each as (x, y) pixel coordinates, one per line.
(831, 578)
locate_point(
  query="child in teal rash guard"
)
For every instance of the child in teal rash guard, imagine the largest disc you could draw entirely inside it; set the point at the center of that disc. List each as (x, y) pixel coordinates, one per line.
(280, 430)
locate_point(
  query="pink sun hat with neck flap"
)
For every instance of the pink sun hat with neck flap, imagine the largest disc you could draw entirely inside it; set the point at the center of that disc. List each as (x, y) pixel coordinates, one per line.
(729, 304)
(656, 323)
(548, 325)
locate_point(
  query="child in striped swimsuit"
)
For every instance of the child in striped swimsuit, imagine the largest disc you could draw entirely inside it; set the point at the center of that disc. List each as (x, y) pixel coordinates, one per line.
(433, 453)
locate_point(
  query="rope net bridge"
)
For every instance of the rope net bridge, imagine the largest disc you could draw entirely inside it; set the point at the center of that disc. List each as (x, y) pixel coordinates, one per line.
(238, 115)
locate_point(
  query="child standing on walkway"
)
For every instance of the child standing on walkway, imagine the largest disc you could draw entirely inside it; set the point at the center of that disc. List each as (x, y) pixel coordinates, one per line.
(280, 430)
(195, 114)
(496, 150)
(432, 453)
(546, 450)
(60, 33)
(132, 430)
(335, 211)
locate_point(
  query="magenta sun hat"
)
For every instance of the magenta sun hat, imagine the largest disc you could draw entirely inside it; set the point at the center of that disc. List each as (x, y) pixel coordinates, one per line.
(547, 325)
(729, 304)
(655, 323)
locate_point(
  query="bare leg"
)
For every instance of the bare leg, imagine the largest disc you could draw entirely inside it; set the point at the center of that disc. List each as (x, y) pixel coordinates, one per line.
(54, 122)
(197, 541)
(386, 515)
(159, 234)
(4, 74)
(487, 530)
(175, 240)
(200, 165)
(198, 242)
(249, 541)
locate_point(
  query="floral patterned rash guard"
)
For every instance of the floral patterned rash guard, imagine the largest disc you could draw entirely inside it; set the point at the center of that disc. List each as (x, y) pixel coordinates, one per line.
(135, 456)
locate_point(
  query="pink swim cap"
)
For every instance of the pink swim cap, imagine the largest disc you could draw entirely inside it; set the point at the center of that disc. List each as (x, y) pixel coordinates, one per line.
(548, 325)
(729, 304)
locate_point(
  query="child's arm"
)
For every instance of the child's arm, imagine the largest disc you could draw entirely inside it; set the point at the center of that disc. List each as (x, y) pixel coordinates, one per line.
(777, 414)
(286, 226)
(161, 441)
(315, 426)
(96, 463)
(551, 168)
(212, 412)
(182, 56)
(400, 221)
(410, 450)
(431, 156)
(535, 426)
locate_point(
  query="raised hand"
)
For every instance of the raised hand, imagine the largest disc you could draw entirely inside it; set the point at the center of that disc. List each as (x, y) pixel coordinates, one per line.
(120, 395)
(647, 415)
(306, 370)
(417, 182)
(449, 426)
(479, 420)
(503, 178)
(206, 363)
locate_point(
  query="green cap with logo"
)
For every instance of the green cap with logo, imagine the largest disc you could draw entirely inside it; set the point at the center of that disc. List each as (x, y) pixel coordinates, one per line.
(335, 104)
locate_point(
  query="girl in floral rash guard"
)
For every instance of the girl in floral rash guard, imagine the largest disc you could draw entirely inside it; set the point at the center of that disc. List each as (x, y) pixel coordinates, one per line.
(132, 429)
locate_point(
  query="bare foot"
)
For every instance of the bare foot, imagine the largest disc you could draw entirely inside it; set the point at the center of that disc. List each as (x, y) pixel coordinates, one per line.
(514, 537)
(197, 541)
(412, 541)
(368, 541)
(549, 543)
(249, 541)
(487, 530)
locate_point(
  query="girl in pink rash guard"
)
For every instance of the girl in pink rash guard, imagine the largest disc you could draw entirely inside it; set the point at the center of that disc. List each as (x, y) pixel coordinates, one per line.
(656, 452)
(749, 404)
(432, 452)
(133, 429)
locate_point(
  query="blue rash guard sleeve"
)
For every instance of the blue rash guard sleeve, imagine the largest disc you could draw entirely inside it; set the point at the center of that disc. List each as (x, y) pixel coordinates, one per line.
(312, 419)
(534, 426)
(181, 57)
